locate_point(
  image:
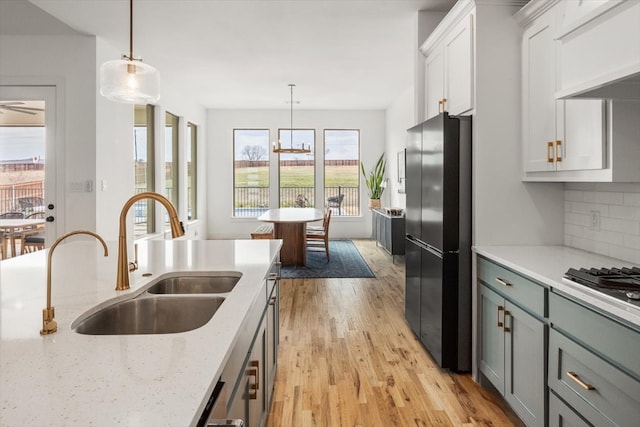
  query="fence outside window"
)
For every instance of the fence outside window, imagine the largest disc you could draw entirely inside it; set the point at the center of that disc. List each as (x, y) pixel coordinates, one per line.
(253, 201)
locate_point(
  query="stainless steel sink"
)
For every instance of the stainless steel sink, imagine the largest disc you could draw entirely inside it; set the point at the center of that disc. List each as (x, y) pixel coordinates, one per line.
(150, 315)
(209, 284)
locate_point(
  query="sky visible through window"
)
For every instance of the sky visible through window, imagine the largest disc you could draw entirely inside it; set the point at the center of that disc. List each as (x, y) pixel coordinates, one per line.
(20, 143)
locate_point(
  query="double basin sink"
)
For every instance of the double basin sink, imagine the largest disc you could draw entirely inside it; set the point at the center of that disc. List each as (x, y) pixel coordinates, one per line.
(171, 305)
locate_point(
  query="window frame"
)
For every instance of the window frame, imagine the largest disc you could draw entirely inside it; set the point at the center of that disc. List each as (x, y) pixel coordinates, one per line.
(174, 194)
(150, 176)
(268, 161)
(314, 151)
(192, 179)
(358, 160)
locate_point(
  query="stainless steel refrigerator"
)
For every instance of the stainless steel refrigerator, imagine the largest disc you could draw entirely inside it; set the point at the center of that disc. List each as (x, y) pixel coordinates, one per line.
(438, 245)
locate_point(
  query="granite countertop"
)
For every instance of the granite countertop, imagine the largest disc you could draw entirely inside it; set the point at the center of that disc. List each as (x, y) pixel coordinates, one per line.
(547, 265)
(66, 378)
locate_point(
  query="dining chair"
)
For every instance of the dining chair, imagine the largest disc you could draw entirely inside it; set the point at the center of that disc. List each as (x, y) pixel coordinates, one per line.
(12, 215)
(3, 247)
(319, 238)
(9, 235)
(324, 221)
(32, 238)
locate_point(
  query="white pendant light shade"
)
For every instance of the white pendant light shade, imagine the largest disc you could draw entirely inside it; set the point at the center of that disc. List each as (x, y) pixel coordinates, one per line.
(133, 82)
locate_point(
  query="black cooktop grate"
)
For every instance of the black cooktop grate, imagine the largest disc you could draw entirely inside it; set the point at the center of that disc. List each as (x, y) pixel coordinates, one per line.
(624, 278)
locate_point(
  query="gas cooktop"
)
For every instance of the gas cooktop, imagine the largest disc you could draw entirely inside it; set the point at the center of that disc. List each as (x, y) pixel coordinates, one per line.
(620, 283)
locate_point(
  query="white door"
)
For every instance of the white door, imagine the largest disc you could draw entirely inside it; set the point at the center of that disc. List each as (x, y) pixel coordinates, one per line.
(28, 153)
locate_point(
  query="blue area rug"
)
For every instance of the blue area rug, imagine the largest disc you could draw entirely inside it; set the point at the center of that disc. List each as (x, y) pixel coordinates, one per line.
(346, 262)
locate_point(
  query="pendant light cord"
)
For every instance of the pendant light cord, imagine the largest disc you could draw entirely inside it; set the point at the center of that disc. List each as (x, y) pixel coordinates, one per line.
(130, 30)
(291, 85)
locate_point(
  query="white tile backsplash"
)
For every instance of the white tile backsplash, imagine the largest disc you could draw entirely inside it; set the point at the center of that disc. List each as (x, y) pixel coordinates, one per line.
(618, 233)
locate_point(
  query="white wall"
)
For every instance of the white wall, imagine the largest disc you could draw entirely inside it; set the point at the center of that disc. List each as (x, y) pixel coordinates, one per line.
(66, 62)
(114, 164)
(506, 210)
(220, 125)
(618, 232)
(95, 134)
(400, 117)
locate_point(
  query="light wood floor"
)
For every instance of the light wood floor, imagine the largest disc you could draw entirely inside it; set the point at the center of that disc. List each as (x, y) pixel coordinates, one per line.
(348, 358)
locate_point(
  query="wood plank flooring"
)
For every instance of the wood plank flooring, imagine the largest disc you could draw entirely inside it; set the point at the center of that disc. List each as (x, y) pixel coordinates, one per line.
(348, 358)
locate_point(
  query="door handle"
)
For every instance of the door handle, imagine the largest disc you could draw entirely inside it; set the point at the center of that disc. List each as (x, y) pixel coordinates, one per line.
(550, 152)
(50, 206)
(255, 373)
(502, 281)
(500, 323)
(558, 151)
(577, 379)
(441, 105)
(50, 219)
(505, 327)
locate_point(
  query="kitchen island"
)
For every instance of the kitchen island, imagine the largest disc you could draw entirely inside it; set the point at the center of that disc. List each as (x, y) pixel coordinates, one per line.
(66, 378)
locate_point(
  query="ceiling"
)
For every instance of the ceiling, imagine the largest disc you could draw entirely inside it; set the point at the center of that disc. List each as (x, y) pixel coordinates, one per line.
(341, 54)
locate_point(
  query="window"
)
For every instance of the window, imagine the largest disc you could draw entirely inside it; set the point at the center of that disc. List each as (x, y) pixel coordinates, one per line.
(143, 158)
(250, 172)
(341, 171)
(297, 171)
(192, 168)
(171, 161)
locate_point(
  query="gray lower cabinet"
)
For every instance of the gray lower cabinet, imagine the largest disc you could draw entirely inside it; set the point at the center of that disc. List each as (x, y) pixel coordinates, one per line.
(593, 364)
(273, 336)
(388, 231)
(512, 355)
(251, 368)
(512, 345)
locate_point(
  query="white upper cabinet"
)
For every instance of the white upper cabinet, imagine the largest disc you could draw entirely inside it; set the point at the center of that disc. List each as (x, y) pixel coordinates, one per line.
(571, 139)
(539, 104)
(434, 82)
(557, 134)
(449, 66)
(599, 43)
(458, 76)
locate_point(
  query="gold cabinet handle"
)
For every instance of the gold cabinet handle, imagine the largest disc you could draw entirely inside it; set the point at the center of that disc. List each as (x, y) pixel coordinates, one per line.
(577, 379)
(500, 323)
(550, 152)
(505, 327)
(255, 373)
(503, 282)
(558, 151)
(441, 107)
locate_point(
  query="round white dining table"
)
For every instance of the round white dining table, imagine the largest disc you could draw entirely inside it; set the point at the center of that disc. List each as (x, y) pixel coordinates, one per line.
(289, 224)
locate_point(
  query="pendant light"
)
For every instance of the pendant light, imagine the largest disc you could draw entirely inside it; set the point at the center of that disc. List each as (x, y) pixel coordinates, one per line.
(129, 79)
(278, 148)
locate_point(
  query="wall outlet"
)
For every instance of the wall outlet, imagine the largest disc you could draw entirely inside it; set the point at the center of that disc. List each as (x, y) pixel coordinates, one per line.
(594, 220)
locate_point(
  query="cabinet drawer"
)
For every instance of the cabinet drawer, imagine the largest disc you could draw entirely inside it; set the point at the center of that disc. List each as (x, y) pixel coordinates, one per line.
(599, 391)
(517, 288)
(561, 415)
(614, 341)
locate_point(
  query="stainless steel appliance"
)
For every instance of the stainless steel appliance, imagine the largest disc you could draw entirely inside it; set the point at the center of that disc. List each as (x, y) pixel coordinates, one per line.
(438, 246)
(215, 412)
(622, 284)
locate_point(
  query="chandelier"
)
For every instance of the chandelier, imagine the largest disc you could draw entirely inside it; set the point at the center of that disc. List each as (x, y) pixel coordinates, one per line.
(128, 79)
(277, 148)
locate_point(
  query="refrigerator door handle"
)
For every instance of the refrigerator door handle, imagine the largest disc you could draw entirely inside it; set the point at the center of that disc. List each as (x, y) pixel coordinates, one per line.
(422, 245)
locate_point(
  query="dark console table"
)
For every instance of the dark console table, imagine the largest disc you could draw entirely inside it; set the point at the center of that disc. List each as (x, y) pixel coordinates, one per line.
(388, 231)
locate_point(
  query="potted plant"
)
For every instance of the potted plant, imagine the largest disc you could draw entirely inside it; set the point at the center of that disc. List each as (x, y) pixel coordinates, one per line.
(375, 181)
